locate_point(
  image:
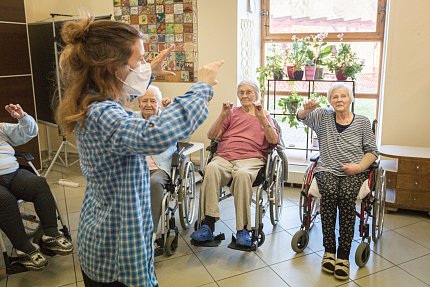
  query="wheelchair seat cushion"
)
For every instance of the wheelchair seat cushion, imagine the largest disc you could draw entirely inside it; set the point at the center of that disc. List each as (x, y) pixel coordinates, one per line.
(243, 238)
(364, 190)
(204, 233)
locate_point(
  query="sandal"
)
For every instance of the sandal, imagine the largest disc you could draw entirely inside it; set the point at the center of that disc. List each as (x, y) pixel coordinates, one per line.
(328, 262)
(341, 270)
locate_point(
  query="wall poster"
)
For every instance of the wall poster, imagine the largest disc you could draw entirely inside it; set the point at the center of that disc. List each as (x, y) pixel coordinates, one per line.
(163, 23)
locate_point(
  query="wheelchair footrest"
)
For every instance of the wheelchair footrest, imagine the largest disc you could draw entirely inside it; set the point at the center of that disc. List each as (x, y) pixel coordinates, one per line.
(211, 243)
(235, 246)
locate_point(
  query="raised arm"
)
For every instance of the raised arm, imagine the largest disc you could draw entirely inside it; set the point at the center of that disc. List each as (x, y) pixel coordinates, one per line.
(20, 133)
(216, 130)
(270, 133)
(308, 107)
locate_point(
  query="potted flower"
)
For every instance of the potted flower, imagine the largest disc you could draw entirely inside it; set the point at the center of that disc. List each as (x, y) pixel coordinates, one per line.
(344, 62)
(289, 107)
(319, 50)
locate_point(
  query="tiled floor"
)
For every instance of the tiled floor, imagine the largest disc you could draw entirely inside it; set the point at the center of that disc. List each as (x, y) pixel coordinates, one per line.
(401, 257)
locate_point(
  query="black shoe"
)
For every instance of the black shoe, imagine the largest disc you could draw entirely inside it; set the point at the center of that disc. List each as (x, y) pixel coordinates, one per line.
(59, 245)
(34, 261)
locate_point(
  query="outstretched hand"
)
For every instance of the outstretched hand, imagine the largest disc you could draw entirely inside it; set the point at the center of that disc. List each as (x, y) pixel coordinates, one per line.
(310, 105)
(15, 111)
(157, 63)
(209, 72)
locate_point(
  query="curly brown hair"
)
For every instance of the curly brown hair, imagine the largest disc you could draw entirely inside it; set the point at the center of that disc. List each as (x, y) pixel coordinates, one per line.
(94, 51)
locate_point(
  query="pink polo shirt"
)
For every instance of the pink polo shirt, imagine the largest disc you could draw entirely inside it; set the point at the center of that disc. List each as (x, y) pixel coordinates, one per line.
(243, 137)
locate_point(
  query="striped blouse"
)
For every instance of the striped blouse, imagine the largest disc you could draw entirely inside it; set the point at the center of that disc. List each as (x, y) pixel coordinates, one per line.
(348, 146)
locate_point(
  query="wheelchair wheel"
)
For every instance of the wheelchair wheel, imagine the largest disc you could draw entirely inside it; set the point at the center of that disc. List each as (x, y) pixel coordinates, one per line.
(276, 191)
(31, 222)
(308, 212)
(378, 205)
(362, 254)
(261, 238)
(171, 245)
(307, 179)
(300, 241)
(187, 195)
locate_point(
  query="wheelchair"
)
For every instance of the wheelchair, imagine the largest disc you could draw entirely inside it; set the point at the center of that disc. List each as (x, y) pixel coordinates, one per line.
(31, 222)
(372, 207)
(270, 179)
(180, 195)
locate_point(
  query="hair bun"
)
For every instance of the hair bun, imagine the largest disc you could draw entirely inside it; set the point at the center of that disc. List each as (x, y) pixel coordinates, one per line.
(74, 32)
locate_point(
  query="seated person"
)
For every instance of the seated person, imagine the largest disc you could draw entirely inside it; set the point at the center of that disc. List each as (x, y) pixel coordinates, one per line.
(246, 135)
(347, 149)
(15, 184)
(159, 165)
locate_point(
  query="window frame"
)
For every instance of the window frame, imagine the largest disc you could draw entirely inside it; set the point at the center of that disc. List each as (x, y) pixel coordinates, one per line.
(376, 36)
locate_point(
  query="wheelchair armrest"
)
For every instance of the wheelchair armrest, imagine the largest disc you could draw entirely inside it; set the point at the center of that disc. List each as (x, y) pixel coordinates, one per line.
(183, 146)
(213, 146)
(315, 157)
(374, 165)
(25, 155)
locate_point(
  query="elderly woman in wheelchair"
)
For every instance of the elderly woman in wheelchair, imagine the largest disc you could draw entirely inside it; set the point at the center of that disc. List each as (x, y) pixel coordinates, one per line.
(347, 150)
(172, 180)
(21, 184)
(246, 135)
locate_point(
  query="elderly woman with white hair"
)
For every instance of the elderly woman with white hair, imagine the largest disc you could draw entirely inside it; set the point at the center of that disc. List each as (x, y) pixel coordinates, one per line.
(347, 149)
(245, 134)
(159, 165)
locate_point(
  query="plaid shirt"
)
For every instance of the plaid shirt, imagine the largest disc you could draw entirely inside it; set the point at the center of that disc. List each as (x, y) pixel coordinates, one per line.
(115, 228)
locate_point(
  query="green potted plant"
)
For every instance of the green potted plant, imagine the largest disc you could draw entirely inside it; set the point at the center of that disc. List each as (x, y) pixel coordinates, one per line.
(318, 52)
(344, 62)
(297, 55)
(289, 107)
(274, 68)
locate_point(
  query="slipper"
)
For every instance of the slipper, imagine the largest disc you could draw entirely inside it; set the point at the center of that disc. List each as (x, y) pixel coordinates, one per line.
(204, 233)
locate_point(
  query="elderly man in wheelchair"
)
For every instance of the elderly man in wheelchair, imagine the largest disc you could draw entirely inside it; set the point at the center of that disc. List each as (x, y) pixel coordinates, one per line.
(21, 184)
(246, 134)
(172, 181)
(347, 150)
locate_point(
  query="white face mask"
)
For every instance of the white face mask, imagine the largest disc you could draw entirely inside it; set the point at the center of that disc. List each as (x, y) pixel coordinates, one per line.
(137, 80)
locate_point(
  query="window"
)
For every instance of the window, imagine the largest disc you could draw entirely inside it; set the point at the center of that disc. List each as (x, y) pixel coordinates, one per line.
(362, 24)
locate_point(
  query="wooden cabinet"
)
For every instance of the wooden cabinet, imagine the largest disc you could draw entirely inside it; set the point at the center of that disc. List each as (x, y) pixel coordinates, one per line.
(411, 180)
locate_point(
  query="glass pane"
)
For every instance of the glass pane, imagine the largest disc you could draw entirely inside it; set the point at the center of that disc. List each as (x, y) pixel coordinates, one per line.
(366, 107)
(308, 16)
(366, 81)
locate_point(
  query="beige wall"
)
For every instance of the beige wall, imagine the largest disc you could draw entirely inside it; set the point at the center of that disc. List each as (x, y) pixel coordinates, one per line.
(406, 101)
(217, 40)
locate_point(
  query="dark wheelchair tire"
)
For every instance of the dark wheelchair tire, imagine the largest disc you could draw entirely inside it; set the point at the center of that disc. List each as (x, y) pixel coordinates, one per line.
(362, 254)
(378, 210)
(170, 245)
(300, 241)
(277, 192)
(187, 196)
(261, 238)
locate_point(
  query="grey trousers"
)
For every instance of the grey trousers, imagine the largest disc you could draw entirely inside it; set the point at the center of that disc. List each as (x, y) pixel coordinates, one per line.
(159, 178)
(219, 172)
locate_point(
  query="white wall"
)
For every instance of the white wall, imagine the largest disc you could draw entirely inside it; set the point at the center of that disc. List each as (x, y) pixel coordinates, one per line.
(405, 116)
(217, 40)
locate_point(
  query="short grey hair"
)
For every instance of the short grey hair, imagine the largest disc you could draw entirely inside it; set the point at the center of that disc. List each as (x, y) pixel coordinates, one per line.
(340, 86)
(157, 93)
(254, 87)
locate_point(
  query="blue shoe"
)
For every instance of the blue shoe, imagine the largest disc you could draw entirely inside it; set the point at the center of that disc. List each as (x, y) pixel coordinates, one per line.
(204, 233)
(243, 238)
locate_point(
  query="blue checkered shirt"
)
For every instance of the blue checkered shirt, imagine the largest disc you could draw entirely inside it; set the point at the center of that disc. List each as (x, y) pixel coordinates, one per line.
(115, 228)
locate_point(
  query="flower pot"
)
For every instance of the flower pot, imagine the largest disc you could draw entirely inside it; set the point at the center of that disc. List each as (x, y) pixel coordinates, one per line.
(290, 72)
(277, 74)
(319, 74)
(310, 72)
(292, 107)
(340, 76)
(298, 75)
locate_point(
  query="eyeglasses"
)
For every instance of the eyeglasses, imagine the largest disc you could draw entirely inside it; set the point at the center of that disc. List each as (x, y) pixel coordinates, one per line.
(248, 93)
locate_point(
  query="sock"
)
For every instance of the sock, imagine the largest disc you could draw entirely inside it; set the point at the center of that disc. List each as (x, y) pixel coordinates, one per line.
(51, 232)
(209, 221)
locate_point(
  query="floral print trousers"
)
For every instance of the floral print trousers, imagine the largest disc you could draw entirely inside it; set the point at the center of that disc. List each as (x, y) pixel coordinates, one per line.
(338, 192)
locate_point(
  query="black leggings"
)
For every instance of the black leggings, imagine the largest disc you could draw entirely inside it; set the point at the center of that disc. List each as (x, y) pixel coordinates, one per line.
(338, 192)
(27, 186)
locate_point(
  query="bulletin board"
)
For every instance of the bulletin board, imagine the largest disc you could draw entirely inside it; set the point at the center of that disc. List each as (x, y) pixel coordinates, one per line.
(163, 23)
